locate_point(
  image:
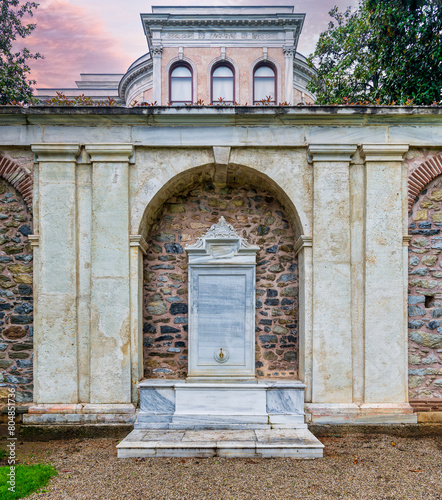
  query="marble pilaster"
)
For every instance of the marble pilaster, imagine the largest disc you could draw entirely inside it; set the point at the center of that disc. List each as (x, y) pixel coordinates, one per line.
(55, 290)
(110, 352)
(156, 69)
(289, 54)
(385, 327)
(332, 342)
(304, 251)
(138, 248)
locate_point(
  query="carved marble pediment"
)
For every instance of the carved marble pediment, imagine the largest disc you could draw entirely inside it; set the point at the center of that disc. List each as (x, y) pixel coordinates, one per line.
(221, 241)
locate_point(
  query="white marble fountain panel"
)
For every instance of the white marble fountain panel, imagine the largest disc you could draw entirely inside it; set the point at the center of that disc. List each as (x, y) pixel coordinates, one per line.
(221, 327)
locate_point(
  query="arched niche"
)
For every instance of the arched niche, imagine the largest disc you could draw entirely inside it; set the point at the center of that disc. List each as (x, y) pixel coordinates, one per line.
(221, 179)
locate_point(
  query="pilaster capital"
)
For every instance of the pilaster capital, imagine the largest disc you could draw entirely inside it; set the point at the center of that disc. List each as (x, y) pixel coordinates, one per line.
(302, 242)
(331, 152)
(34, 240)
(289, 51)
(110, 152)
(406, 238)
(156, 51)
(136, 240)
(55, 152)
(383, 152)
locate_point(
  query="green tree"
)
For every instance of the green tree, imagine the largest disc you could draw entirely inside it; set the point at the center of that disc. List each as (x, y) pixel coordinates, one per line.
(14, 70)
(383, 52)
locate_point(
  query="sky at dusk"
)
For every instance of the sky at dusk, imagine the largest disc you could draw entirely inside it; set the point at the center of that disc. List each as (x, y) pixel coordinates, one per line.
(106, 36)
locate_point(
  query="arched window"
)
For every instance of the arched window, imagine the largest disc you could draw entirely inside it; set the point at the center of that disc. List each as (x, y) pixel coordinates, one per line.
(181, 84)
(264, 83)
(223, 84)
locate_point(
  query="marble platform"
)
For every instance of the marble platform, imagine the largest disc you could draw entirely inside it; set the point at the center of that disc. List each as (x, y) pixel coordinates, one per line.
(294, 443)
(192, 405)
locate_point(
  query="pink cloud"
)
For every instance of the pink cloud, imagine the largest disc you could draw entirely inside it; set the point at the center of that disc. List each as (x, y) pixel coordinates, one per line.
(73, 41)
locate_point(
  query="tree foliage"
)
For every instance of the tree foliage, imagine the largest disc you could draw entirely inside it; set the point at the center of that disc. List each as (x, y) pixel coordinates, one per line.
(14, 70)
(384, 52)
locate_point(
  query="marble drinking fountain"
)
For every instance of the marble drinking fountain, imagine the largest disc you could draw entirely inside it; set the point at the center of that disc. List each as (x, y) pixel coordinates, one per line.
(221, 409)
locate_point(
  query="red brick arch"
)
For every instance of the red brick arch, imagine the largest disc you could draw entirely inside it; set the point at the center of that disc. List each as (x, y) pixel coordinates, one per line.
(19, 177)
(424, 174)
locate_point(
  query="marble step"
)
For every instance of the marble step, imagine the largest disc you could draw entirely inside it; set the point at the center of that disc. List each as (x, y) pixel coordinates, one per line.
(211, 421)
(295, 443)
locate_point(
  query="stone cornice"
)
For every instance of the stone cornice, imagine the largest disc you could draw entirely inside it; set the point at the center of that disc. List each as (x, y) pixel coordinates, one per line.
(55, 152)
(316, 124)
(157, 21)
(109, 152)
(303, 68)
(383, 152)
(136, 240)
(331, 152)
(132, 75)
(406, 238)
(302, 242)
(216, 24)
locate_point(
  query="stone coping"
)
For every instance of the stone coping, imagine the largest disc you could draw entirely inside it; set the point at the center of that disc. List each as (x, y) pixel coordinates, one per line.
(258, 384)
(313, 113)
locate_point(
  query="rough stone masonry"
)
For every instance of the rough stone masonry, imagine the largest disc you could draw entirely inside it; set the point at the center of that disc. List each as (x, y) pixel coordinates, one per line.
(16, 309)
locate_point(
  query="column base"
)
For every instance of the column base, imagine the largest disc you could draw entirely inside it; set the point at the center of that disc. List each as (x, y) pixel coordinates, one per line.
(80, 414)
(364, 414)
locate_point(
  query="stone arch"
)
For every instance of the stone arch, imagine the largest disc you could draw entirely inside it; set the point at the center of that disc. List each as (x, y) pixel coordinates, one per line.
(159, 187)
(421, 176)
(19, 177)
(165, 265)
(16, 298)
(425, 287)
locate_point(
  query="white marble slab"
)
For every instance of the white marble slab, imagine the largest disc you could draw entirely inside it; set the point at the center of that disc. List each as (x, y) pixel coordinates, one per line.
(299, 443)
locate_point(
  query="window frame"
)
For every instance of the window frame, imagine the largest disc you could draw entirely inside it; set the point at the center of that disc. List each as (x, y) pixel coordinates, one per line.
(180, 64)
(270, 65)
(217, 65)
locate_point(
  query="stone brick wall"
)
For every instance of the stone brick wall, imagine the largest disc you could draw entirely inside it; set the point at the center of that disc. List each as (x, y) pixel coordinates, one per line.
(425, 294)
(259, 217)
(16, 334)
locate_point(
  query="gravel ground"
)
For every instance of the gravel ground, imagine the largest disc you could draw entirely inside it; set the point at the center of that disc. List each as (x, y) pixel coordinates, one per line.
(354, 467)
